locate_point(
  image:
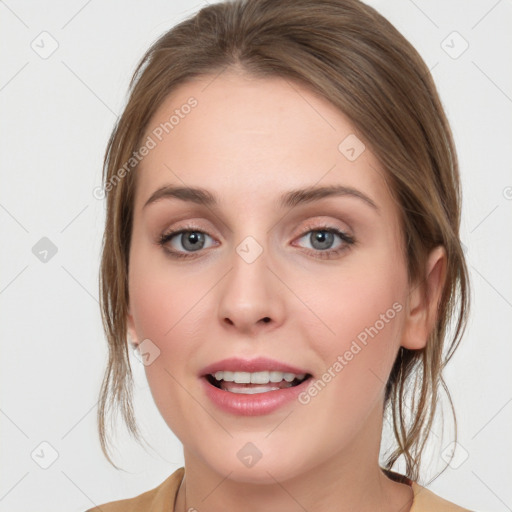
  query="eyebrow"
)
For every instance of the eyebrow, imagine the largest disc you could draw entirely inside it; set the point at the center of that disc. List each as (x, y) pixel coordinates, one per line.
(288, 200)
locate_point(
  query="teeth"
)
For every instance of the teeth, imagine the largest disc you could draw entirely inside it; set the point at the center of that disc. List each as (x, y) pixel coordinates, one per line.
(257, 377)
(254, 391)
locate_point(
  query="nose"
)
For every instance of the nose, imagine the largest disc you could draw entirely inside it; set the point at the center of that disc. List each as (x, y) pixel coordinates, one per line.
(251, 295)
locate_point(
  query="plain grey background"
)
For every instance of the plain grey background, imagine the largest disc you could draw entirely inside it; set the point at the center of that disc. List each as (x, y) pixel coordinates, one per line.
(65, 71)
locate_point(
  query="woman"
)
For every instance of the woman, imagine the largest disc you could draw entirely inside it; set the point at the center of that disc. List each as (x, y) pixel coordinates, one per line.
(282, 247)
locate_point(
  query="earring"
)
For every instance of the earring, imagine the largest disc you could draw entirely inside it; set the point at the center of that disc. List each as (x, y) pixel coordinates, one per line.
(133, 344)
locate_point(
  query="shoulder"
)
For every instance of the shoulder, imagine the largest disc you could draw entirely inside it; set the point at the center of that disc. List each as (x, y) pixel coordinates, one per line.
(426, 501)
(159, 499)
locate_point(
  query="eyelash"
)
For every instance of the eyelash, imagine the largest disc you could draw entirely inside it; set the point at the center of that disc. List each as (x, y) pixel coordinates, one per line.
(347, 239)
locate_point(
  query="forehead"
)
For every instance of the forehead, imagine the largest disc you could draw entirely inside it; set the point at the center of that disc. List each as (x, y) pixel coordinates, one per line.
(253, 137)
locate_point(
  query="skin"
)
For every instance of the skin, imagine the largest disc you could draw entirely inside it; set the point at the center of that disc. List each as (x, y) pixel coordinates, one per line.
(249, 140)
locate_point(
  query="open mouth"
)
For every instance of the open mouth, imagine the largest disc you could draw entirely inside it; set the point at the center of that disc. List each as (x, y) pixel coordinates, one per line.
(257, 382)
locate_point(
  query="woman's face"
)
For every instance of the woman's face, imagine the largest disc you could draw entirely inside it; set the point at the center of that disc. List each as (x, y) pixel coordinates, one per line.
(262, 273)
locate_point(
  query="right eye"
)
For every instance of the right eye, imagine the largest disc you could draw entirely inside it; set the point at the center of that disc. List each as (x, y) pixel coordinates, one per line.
(180, 243)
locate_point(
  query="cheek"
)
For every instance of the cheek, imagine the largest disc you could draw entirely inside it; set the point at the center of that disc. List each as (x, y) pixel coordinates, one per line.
(170, 308)
(359, 314)
(362, 315)
(160, 297)
(167, 309)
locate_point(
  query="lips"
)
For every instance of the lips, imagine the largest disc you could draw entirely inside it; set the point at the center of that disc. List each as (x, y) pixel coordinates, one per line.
(244, 399)
(255, 386)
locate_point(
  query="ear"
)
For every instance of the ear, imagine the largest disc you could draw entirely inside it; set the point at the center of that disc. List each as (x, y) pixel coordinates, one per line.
(423, 301)
(132, 333)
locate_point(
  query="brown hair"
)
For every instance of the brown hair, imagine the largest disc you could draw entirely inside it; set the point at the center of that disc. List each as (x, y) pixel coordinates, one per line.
(352, 56)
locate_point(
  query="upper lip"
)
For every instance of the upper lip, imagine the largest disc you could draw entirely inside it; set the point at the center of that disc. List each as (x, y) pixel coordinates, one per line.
(260, 364)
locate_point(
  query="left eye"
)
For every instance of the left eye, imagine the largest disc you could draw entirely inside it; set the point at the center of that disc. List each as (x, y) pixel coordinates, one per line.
(322, 239)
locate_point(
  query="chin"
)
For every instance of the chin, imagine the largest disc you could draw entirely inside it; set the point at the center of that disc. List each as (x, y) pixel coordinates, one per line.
(264, 470)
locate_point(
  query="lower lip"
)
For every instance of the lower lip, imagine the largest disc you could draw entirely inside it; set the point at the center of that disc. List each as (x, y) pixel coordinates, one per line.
(253, 405)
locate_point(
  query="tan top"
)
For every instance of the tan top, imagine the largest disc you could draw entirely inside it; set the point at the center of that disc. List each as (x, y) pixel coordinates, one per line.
(160, 498)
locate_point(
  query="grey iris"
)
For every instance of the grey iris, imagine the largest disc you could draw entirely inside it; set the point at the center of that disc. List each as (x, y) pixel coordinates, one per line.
(192, 241)
(323, 239)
